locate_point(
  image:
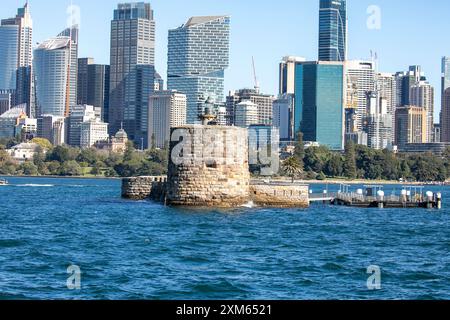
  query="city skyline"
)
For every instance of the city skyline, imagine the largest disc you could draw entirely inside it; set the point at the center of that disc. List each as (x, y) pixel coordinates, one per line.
(361, 39)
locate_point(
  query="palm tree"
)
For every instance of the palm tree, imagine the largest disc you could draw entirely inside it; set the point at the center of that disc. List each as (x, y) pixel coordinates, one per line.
(292, 167)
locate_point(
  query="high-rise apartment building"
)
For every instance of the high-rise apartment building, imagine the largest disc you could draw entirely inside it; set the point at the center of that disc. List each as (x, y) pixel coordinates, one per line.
(333, 30)
(55, 72)
(132, 69)
(198, 55)
(445, 106)
(319, 102)
(167, 109)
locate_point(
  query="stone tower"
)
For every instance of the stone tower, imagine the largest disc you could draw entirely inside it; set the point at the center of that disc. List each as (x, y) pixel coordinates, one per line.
(208, 166)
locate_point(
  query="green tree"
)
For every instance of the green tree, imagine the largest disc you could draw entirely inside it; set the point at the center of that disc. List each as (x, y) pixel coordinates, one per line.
(292, 167)
(299, 152)
(44, 143)
(59, 153)
(28, 169)
(129, 151)
(334, 167)
(53, 167)
(350, 168)
(70, 168)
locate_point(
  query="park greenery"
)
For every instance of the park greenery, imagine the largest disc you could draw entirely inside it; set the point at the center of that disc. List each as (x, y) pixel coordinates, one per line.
(361, 162)
(68, 161)
(313, 163)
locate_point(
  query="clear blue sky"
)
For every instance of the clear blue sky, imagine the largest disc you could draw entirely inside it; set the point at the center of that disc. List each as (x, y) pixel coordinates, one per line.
(412, 32)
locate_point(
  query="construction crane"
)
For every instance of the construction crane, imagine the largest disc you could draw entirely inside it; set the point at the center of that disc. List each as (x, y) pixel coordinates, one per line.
(254, 75)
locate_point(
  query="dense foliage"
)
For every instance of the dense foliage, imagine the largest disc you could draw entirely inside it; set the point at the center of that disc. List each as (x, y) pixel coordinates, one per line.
(68, 161)
(361, 162)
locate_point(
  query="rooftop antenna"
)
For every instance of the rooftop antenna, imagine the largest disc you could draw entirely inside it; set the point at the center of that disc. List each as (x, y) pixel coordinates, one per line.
(254, 75)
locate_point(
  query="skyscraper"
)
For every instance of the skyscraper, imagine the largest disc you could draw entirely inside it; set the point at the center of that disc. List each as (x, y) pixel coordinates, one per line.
(167, 109)
(16, 37)
(333, 30)
(132, 69)
(287, 74)
(93, 85)
(55, 72)
(361, 78)
(319, 102)
(82, 80)
(198, 55)
(445, 90)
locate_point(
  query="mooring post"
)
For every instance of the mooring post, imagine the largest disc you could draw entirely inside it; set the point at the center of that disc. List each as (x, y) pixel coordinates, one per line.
(439, 200)
(380, 199)
(429, 195)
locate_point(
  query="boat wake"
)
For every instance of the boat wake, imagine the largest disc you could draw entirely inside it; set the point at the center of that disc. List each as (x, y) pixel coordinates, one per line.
(35, 185)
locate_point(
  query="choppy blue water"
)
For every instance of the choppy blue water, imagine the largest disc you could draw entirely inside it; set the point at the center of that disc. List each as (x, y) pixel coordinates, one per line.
(141, 250)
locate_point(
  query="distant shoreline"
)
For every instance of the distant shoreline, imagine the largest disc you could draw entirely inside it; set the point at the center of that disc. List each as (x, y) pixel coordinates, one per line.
(62, 177)
(329, 181)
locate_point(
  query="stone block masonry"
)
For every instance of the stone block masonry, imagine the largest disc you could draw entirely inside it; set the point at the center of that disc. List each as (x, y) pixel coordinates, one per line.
(280, 195)
(141, 188)
(209, 167)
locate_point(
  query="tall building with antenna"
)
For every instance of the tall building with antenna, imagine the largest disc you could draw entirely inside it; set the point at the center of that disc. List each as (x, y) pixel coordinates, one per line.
(333, 30)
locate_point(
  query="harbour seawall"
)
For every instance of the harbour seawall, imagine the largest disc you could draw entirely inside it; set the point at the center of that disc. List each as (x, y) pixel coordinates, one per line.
(141, 188)
(260, 194)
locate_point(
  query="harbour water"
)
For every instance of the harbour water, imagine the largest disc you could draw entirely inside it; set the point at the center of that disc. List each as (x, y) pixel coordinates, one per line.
(142, 250)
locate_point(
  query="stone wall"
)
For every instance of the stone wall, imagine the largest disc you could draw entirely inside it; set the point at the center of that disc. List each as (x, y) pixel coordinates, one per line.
(208, 167)
(140, 188)
(280, 195)
(262, 195)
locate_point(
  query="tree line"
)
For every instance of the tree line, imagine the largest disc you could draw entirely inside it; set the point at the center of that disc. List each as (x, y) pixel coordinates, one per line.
(69, 161)
(362, 162)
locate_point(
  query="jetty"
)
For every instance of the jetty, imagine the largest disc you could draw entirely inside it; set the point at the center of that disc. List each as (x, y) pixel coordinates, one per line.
(375, 197)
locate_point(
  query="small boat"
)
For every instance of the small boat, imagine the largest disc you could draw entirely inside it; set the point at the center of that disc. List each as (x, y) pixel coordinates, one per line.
(3, 182)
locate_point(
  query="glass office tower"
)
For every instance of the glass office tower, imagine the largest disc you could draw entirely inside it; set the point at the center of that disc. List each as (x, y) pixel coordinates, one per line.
(319, 102)
(198, 55)
(132, 69)
(333, 30)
